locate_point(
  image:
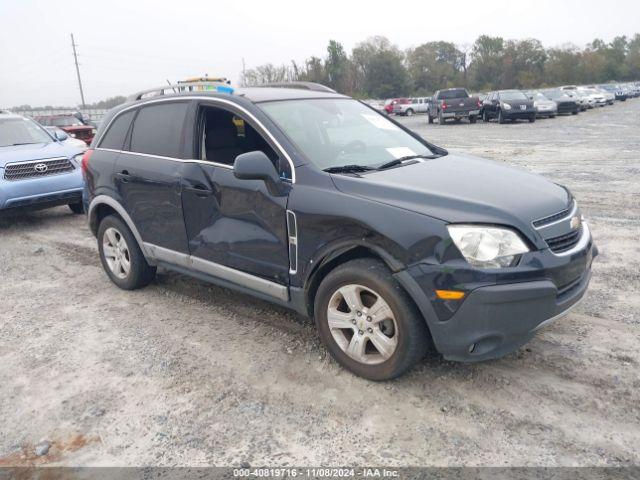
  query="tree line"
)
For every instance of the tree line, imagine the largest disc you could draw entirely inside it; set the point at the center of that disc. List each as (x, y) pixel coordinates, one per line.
(376, 68)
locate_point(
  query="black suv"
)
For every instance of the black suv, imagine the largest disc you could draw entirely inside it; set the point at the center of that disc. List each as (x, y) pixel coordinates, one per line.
(508, 105)
(317, 202)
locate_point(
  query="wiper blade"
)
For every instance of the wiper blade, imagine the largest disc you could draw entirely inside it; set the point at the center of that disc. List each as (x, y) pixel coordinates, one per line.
(25, 143)
(347, 169)
(401, 160)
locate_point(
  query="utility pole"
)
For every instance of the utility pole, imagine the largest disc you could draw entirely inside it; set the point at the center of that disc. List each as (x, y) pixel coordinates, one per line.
(75, 57)
(243, 74)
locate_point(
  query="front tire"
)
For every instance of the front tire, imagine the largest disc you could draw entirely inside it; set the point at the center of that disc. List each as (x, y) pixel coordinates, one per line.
(485, 116)
(368, 322)
(532, 119)
(501, 119)
(121, 256)
(473, 119)
(409, 112)
(429, 118)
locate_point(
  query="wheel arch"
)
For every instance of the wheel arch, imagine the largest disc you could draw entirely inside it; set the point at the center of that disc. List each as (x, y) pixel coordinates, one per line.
(337, 256)
(104, 205)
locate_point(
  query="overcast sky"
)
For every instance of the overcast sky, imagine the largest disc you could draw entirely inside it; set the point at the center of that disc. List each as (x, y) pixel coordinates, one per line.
(130, 45)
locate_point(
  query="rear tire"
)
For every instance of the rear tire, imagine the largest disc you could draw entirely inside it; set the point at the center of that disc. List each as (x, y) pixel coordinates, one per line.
(485, 116)
(121, 256)
(388, 337)
(441, 119)
(532, 119)
(429, 118)
(473, 119)
(77, 207)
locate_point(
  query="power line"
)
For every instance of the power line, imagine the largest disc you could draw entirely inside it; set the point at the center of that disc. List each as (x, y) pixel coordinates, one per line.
(75, 57)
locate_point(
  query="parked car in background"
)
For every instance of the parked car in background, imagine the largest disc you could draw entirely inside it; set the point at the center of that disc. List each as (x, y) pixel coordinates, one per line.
(565, 103)
(581, 99)
(65, 138)
(508, 105)
(609, 97)
(544, 106)
(71, 124)
(37, 170)
(324, 206)
(392, 102)
(596, 98)
(453, 103)
(413, 106)
(619, 93)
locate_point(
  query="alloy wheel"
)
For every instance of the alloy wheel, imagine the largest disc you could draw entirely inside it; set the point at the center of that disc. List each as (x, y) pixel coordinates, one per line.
(116, 253)
(362, 324)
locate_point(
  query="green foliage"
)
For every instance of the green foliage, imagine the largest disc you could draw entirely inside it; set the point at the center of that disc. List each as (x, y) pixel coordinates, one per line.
(377, 68)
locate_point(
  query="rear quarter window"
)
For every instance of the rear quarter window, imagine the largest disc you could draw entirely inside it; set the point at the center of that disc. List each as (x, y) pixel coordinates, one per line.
(117, 132)
(157, 130)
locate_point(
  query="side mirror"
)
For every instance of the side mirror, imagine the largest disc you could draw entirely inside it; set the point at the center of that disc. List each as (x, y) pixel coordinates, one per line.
(257, 166)
(60, 135)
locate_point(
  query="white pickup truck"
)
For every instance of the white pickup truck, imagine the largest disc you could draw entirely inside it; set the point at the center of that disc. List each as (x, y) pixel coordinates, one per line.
(414, 105)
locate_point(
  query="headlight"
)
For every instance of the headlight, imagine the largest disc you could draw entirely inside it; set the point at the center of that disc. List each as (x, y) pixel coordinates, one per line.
(506, 106)
(72, 135)
(93, 131)
(487, 247)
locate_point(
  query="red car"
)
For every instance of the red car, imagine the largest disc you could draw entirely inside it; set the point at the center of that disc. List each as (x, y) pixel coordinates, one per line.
(388, 105)
(70, 124)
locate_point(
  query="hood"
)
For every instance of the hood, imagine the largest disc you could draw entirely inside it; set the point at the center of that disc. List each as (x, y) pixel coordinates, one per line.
(38, 151)
(460, 188)
(516, 103)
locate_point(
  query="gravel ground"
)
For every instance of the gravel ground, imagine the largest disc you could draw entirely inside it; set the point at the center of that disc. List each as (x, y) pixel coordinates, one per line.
(184, 373)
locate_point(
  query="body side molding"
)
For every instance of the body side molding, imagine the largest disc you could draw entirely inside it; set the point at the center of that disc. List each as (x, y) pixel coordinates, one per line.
(266, 287)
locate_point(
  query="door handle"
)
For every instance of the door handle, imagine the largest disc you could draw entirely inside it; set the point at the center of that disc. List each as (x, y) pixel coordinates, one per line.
(200, 191)
(123, 176)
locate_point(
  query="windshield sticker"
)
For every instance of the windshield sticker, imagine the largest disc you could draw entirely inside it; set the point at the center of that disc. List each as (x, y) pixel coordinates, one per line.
(380, 122)
(399, 152)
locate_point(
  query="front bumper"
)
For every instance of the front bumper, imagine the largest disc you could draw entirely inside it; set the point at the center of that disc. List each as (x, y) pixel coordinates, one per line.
(503, 308)
(461, 114)
(518, 114)
(42, 192)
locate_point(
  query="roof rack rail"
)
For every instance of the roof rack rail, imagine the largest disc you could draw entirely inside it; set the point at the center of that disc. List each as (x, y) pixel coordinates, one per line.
(181, 87)
(316, 87)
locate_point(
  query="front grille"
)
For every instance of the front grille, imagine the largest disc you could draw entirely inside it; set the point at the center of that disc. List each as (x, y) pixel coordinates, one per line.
(565, 242)
(552, 218)
(37, 168)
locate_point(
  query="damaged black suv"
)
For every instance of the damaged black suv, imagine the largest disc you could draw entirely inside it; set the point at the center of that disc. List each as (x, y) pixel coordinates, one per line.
(317, 202)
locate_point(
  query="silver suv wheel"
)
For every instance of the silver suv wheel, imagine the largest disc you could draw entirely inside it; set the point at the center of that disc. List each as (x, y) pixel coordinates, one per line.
(362, 324)
(116, 253)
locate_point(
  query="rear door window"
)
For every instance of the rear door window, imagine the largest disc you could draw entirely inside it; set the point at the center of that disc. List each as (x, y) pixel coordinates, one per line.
(116, 134)
(158, 129)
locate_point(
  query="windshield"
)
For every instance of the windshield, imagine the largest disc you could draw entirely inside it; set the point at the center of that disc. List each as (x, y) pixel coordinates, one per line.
(69, 121)
(455, 93)
(333, 133)
(513, 95)
(21, 131)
